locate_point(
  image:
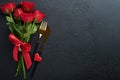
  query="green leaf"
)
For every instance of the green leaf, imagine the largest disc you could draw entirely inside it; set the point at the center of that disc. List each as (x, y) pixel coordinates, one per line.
(31, 28)
(15, 30)
(9, 19)
(11, 29)
(28, 27)
(20, 28)
(27, 37)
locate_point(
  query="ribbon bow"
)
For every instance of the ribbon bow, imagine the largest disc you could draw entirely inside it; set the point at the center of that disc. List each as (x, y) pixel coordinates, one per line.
(26, 48)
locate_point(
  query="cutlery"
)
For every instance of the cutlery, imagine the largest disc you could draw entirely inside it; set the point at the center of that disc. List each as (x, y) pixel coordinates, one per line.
(43, 36)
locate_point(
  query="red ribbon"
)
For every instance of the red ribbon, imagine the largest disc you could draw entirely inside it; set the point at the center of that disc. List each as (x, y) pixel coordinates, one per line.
(26, 48)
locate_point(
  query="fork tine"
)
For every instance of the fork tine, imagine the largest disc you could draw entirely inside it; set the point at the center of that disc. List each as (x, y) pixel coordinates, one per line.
(43, 26)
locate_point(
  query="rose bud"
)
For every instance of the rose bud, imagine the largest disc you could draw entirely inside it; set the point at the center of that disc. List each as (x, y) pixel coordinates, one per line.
(27, 6)
(8, 8)
(27, 17)
(17, 13)
(39, 16)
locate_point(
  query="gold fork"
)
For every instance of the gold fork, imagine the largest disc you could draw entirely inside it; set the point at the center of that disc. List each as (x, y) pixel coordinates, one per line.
(42, 29)
(43, 33)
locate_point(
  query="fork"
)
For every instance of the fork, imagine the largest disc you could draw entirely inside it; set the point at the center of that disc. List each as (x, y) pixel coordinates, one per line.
(42, 28)
(42, 31)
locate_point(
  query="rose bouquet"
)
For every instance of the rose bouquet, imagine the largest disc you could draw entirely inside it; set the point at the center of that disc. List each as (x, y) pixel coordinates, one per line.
(23, 20)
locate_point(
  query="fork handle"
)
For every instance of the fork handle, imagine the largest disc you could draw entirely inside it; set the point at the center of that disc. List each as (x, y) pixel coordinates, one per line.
(34, 64)
(39, 49)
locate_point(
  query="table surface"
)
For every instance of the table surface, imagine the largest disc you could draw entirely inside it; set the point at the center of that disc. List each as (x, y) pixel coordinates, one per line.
(83, 45)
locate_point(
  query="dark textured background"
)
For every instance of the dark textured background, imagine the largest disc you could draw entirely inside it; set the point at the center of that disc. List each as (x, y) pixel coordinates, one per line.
(83, 45)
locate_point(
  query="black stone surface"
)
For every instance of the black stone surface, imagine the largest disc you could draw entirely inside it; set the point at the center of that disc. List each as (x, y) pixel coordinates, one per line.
(83, 45)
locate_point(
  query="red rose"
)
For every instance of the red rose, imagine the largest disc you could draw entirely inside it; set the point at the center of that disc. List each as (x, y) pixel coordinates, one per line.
(39, 16)
(27, 6)
(7, 8)
(27, 17)
(17, 13)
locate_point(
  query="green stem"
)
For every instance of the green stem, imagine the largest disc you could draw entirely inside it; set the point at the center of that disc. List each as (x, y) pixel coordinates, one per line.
(34, 22)
(18, 68)
(20, 21)
(11, 17)
(23, 67)
(26, 26)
